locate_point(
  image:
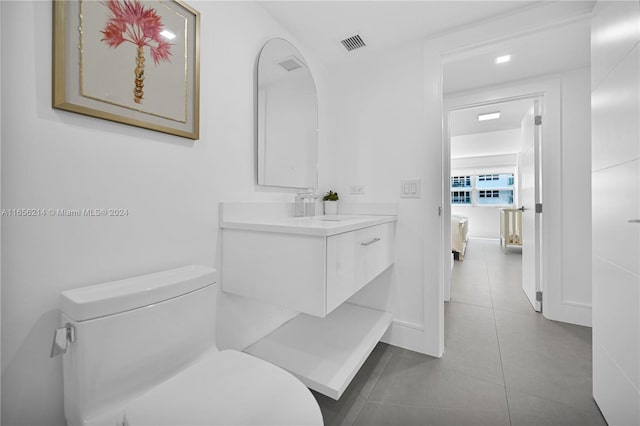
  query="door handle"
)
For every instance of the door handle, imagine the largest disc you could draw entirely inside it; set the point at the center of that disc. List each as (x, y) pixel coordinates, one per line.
(538, 208)
(633, 220)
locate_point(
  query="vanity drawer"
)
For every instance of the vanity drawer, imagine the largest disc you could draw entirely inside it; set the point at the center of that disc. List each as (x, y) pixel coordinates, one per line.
(312, 274)
(354, 259)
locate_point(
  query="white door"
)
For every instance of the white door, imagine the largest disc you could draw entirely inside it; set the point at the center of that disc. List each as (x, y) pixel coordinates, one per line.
(529, 195)
(615, 184)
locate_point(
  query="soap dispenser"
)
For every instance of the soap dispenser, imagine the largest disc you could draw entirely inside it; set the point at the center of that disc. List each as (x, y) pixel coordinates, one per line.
(305, 204)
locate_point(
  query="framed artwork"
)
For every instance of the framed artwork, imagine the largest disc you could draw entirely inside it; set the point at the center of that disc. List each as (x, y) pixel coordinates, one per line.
(131, 61)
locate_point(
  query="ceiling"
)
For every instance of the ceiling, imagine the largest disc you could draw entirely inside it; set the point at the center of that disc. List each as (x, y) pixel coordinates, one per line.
(548, 52)
(320, 25)
(543, 52)
(465, 121)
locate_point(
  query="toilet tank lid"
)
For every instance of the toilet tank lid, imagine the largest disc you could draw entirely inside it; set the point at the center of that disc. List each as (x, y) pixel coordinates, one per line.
(114, 297)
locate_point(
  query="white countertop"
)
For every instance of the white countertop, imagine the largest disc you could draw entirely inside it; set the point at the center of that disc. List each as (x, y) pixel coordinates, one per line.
(323, 226)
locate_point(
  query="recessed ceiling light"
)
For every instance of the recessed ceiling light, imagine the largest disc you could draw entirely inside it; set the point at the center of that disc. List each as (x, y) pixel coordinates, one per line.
(489, 116)
(503, 59)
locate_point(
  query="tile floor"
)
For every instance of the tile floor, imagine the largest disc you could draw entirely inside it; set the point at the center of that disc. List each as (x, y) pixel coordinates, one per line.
(503, 364)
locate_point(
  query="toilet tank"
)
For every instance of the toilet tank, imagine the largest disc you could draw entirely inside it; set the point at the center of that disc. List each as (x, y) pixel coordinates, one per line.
(131, 335)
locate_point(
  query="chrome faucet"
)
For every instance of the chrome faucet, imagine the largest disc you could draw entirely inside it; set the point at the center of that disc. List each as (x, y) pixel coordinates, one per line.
(305, 204)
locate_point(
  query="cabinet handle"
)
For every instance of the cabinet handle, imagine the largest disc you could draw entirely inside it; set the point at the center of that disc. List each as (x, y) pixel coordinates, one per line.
(368, 243)
(633, 220)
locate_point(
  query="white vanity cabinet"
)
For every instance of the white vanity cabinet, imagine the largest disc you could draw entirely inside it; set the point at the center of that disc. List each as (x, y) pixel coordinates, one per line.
(311, 265)
(354, 258)
(312, 273)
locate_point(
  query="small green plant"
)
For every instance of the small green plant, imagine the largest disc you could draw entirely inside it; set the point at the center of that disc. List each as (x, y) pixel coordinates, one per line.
(330, 196)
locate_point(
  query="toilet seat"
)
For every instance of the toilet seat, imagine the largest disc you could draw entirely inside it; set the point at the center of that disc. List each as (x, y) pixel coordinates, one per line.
(226, 388)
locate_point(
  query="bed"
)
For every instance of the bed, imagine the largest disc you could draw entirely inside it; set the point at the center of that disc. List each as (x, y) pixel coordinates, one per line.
(459, 235)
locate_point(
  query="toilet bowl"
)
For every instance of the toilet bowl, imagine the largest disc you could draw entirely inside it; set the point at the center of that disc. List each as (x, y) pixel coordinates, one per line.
(256, 393)
(143, 352)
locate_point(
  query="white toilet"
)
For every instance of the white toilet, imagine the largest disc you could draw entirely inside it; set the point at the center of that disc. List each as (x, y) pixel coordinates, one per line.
(141, 351)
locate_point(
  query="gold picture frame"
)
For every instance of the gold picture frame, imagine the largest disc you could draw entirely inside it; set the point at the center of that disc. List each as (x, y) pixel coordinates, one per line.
(135, 62)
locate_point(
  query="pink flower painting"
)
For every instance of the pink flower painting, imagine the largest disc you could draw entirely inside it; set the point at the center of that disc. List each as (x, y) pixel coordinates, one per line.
(129, 21)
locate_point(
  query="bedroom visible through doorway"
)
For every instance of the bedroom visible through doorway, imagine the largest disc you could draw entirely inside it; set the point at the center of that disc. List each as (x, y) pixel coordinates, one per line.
(494, 152)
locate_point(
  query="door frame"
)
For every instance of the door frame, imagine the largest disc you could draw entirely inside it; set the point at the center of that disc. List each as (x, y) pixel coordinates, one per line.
(549, 90)
(436, 51)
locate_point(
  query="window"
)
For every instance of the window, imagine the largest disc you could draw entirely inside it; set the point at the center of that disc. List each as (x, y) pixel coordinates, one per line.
(461, 181)
(461, 197)
(495, 181)
(495, 197)
(483, 190)
(488, 178)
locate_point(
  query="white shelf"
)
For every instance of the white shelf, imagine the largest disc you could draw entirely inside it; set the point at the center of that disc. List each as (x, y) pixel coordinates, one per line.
(325, 353)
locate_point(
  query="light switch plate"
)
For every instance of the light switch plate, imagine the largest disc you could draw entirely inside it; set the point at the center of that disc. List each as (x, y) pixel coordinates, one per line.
(410, 188)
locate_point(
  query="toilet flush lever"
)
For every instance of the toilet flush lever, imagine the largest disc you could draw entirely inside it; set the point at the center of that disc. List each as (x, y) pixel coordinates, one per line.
(61, 338)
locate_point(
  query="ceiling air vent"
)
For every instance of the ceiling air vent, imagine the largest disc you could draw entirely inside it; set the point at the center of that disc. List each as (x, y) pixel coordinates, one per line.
(291, 63)
(353, 43)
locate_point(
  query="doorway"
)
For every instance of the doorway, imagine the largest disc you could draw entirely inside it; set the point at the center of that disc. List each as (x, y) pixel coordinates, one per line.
(495, 184)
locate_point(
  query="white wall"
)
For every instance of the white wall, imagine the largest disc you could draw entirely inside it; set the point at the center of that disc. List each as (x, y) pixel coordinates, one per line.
(171, 187)
(484, 221)
(488, 143)
(504, 163)
(615, 98)
(576, 195)
(375, 119)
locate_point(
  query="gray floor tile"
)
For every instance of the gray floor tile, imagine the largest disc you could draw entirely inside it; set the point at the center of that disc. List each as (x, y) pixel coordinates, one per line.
(534, 332)
(472, 296)
(549, 375)
(345, 411)
(546, 358)
(512, 299)
(511, 276)
(464, 270)
(415, 379)
(531, 410)
(503, 363)
(471, 343)
(374, 414)
(470, 287)
(467, 320)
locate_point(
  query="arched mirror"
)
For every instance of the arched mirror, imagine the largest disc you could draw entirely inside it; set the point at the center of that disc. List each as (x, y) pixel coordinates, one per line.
(287, 118)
